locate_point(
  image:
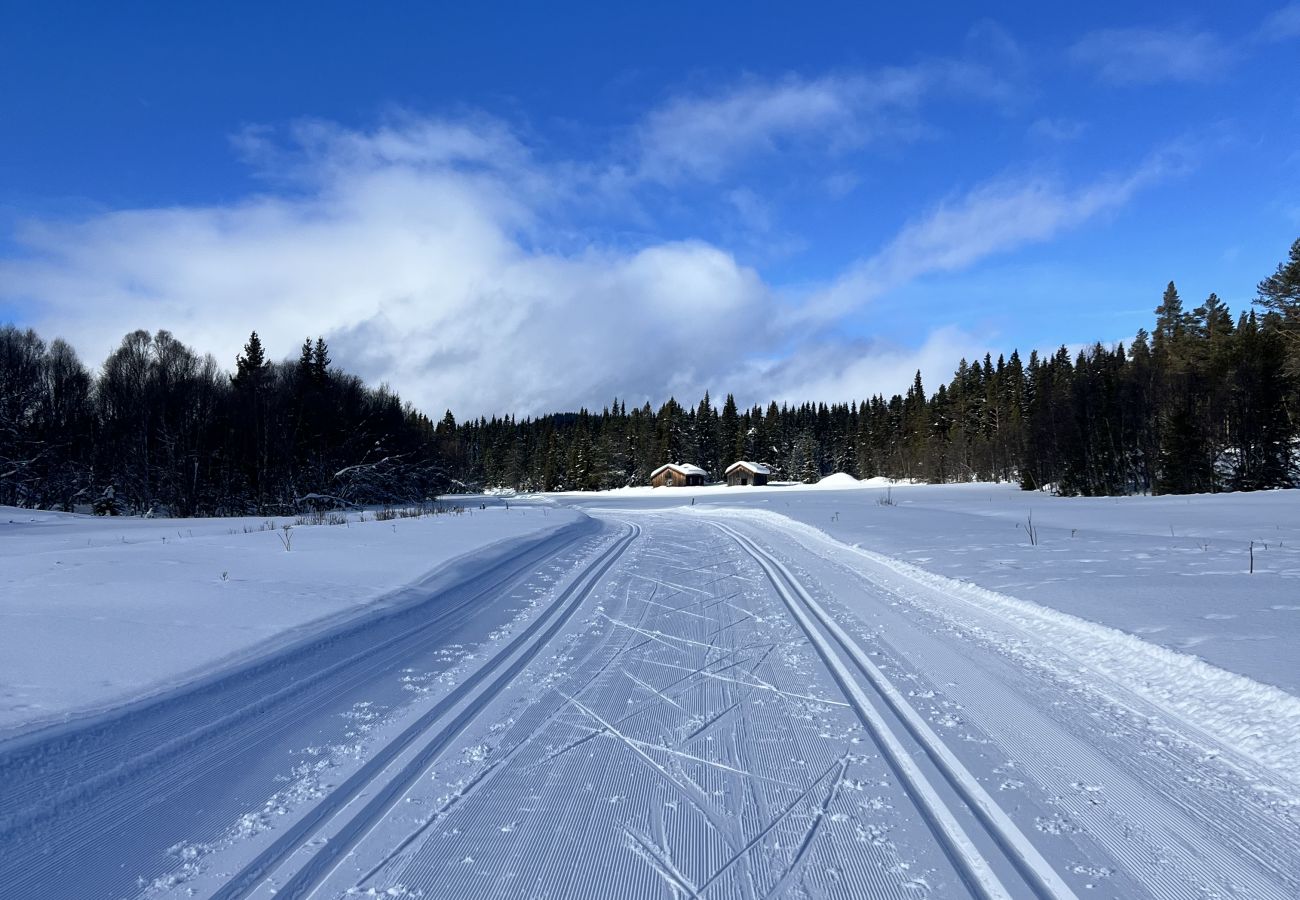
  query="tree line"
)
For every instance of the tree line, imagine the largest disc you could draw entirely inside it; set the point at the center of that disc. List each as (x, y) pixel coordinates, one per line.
(162, 429)
(1201, 402)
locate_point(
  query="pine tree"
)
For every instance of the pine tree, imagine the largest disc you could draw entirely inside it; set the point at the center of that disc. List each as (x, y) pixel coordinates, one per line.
(729, 436)
(1280, 292)
(320, 361)
(251, 366)
(1171, 321)
(304, 360)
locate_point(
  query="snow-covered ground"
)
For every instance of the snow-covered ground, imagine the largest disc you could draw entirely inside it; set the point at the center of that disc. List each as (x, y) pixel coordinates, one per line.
(840, 691)
(1174, 571)
(95, 611)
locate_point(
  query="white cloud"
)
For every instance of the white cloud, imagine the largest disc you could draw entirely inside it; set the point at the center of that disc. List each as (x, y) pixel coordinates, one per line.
(1282, 25)
(995, 217)
(845, 371)
(415, 266)
(424, 252)
(703, 135)
(1151, 55)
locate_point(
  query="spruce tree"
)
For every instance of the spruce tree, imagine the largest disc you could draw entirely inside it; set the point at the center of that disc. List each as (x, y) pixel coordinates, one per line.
(1280, 292)
(320, 361)
(251, 365)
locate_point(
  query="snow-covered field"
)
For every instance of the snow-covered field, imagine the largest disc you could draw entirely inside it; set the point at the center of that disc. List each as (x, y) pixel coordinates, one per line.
(95, 611)
(1174, 571)
(840, 691)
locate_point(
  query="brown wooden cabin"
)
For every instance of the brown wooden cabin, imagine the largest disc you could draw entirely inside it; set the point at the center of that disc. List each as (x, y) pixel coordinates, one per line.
(743, 474)
(678, 475)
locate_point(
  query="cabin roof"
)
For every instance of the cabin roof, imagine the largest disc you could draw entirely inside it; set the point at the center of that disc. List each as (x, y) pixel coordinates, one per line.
(756, 468)
(682, 468)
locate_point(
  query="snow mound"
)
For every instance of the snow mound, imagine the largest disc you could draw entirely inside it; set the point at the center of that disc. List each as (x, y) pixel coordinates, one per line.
(839, 480)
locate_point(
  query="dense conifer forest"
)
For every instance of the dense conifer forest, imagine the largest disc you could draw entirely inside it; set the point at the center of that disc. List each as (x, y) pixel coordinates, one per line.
(1205, 401)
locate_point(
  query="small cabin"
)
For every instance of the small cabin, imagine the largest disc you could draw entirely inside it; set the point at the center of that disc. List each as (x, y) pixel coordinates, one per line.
(743, 474)
(678, 475)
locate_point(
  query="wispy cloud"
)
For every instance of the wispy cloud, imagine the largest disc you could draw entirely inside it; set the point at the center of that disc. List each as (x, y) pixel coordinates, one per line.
(1283, 25)
(996, 217)
(1057, 129)
(860, 369)
(703, 135)
(1151, 55)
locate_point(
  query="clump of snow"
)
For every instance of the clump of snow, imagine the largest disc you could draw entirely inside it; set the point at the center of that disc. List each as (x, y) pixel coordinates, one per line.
(839, 480)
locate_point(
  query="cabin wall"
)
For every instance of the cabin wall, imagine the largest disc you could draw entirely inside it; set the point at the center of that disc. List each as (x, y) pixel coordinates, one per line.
(678, 480)
(743, 477)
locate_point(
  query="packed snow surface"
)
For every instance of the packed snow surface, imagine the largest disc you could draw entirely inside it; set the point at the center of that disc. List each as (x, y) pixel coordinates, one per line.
(871, 690)
(95, 611)
(1174, 571)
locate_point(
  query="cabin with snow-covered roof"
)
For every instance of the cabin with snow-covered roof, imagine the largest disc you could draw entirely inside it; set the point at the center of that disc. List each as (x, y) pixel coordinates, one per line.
(743, 474)
(678, 475)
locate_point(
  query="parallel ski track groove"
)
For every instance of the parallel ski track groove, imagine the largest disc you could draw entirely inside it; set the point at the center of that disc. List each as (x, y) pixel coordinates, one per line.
(29, 800)
(39, 797)
(497, 766)
(1039, 876)
(304, 882)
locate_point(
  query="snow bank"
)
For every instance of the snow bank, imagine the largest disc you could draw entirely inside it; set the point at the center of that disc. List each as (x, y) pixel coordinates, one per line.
(1258, 721)
(98, 611)
(839, 480)
(844, 481)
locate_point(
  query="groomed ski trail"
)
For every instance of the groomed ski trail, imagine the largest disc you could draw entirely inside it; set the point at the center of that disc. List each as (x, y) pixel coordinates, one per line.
(332, 828)
(840, 652)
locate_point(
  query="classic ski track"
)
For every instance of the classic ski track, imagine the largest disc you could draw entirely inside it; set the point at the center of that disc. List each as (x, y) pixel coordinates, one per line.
(626, 644)
(723, 842)
(52, 781)
(158, 740)
(386, 788)
(1251, 794)
(479, 779)
(649, 841)
(1038, 874)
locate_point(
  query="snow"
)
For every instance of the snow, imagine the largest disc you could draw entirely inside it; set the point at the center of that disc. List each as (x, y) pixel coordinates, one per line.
(97, 611)
(682, 468)
(1172, 571)
(838, 480)
(724, 699)
(964, 849)
(1257, 720)
(756, 468)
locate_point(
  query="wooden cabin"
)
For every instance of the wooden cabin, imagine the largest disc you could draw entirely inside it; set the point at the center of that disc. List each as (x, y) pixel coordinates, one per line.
(678, 475)
(743, 474)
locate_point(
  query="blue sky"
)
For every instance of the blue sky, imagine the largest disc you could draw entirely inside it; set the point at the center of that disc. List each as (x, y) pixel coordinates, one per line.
(528, 207)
